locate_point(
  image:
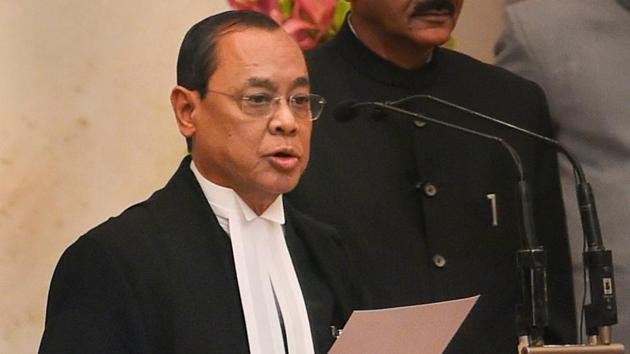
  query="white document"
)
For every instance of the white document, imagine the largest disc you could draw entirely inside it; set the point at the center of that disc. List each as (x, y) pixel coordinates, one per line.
(425, 329)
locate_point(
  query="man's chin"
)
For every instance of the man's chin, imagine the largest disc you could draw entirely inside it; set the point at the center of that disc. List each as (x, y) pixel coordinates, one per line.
(435, 36)
(282, 184)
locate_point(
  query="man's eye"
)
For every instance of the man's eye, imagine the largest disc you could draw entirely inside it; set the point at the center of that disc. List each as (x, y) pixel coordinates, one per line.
(258, 99)
(300, 100)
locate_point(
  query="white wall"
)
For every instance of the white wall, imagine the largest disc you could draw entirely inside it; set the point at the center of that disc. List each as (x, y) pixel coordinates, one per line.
(86, 127)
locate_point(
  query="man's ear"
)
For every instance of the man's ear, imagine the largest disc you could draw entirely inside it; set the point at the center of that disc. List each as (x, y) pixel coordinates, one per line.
(185, 104)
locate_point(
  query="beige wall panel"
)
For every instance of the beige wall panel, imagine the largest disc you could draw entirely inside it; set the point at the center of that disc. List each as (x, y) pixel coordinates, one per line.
(86, 129)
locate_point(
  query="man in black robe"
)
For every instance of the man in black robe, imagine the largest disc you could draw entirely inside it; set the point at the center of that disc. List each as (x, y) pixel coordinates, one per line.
(430, 213)
(178, 273)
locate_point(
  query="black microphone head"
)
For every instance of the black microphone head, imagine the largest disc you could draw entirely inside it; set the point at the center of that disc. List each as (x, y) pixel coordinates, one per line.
(349, 109)
(345, 110)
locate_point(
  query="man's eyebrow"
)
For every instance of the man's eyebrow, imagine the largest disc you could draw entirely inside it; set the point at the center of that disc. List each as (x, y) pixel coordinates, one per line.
(300, 82)
(261, 82)
(271, 85)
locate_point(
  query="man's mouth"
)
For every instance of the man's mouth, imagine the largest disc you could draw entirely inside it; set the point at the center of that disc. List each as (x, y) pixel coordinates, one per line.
(282, 154)
(284, 159)
(434, 8)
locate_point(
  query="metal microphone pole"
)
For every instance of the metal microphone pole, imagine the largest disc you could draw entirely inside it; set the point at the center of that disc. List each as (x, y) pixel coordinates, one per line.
(532, 315)
(601, 313)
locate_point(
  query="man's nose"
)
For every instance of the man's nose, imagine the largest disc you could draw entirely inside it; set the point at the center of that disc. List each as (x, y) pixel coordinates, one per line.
(283, 121)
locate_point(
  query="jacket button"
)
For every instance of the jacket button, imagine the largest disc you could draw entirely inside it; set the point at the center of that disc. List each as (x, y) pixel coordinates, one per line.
(419, 123)
(439, 261)
(430, 190)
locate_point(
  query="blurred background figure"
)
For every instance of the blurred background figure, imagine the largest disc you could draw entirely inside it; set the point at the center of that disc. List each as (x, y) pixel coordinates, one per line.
(579, 52)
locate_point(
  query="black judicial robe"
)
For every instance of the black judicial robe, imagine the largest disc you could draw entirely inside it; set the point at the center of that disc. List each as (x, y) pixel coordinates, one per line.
(160, 278)
(413, 202)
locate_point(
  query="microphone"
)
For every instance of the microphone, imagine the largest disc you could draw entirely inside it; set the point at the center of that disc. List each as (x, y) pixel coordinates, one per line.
(533, 313)
(590, 222)
(602, 310)
(348, 109)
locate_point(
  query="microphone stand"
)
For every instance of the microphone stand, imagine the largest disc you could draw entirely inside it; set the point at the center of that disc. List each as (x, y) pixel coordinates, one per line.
(531, 259)
(601, 313)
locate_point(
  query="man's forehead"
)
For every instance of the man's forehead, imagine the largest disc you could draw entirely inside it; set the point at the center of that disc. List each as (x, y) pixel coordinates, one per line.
(255, 57)
(251, 44)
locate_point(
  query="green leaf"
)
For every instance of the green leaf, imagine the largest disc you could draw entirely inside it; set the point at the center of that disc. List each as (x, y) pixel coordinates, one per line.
(286, 7)
(343, 6)
(451, 43)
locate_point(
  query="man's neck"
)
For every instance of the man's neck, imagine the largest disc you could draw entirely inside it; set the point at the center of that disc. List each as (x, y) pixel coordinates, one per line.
(258, 202)
(403, 52)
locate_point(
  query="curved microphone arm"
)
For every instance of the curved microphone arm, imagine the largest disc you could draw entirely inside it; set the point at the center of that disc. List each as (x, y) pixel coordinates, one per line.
(513, 154)
(577, 168)
(602, 311)
(586, 199)
(532, 315)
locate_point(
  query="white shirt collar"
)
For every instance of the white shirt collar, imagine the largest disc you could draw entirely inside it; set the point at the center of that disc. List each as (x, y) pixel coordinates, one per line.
(267, 280)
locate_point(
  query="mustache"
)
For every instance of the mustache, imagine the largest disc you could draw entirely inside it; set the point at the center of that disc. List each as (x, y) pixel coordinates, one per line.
(424, 7)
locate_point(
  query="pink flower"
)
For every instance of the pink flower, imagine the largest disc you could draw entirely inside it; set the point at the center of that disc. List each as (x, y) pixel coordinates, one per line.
(319, 12)
(309, 22)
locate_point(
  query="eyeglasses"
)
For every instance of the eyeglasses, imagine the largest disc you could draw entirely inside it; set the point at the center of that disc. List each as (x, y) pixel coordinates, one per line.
(262, 105)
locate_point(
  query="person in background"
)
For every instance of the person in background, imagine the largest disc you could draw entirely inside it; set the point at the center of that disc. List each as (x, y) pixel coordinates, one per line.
(578, 51)
(429, 213)
(216, 261)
